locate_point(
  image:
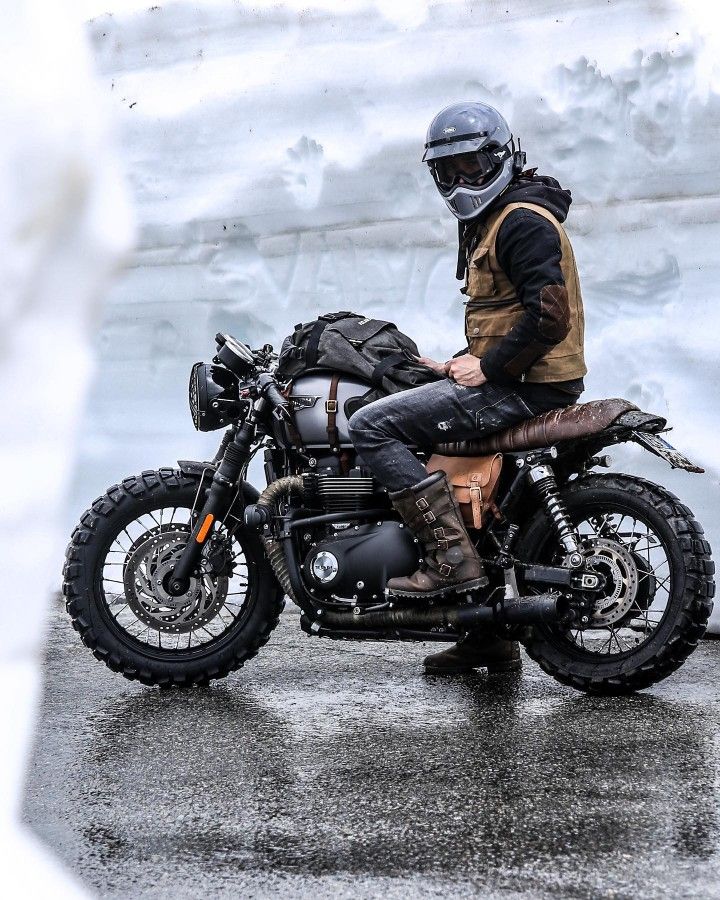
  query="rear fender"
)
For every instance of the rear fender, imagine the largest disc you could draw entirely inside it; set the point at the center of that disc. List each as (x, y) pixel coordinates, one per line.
(644, 429)
(660, 447)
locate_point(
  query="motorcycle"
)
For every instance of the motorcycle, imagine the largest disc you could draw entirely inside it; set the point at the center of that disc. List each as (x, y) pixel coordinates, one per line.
(178, 576)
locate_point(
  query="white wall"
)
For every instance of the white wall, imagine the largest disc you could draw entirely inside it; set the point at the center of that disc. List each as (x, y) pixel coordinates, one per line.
(273, 152)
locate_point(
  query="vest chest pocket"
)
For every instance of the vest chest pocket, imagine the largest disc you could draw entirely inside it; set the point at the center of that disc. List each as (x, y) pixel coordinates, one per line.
(480, 277)
(486, 325)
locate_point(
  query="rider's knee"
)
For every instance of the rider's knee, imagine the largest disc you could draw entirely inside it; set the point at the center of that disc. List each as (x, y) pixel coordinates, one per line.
(356, 423)
(360, 423)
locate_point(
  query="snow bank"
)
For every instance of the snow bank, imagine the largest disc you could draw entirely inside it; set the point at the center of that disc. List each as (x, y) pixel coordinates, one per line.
(273, 151)
(64, 219)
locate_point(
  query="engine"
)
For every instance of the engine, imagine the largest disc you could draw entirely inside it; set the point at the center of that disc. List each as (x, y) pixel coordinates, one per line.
(345, 560)
(352, 560)
(343, 493)
(355, 560)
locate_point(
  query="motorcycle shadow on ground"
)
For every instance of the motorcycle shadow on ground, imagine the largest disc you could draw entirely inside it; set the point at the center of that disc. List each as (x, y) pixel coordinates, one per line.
(346, 768)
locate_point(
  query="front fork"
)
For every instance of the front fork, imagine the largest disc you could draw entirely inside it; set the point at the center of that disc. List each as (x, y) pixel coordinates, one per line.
(217, 500)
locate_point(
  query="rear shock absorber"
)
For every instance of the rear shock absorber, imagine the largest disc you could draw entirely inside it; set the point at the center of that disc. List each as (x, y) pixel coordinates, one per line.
(543, 480)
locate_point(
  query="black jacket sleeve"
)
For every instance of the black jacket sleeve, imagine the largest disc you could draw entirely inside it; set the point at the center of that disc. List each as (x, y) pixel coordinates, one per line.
(529, 252)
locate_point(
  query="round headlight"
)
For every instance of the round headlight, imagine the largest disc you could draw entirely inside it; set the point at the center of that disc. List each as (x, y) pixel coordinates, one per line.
(214, 397)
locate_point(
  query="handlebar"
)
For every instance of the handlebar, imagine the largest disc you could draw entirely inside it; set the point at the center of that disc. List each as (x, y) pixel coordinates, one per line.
(270, 391)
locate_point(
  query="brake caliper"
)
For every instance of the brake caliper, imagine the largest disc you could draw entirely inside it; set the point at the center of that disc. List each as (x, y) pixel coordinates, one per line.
(218, 557)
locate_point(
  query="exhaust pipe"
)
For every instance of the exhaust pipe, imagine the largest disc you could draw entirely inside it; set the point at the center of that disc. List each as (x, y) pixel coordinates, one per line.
(531, 610)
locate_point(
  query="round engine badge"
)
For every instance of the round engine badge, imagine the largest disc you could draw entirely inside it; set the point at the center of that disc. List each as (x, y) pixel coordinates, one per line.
(324, 567)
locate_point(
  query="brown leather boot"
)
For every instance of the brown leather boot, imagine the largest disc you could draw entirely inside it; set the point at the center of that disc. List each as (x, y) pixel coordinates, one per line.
(475, 650)
(450, 562)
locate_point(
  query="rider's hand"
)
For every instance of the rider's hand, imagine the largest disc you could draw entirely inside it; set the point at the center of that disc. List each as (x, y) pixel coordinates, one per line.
(466, 370)
(440, 368)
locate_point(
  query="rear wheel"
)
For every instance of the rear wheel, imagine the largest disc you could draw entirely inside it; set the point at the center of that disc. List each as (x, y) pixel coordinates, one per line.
(658, 593)
(116, 572)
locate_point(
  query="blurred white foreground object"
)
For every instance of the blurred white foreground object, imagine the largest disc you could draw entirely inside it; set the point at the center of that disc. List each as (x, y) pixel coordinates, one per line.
(64, 226)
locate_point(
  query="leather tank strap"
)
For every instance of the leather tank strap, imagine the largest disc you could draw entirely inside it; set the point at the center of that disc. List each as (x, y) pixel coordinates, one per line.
(331, 408)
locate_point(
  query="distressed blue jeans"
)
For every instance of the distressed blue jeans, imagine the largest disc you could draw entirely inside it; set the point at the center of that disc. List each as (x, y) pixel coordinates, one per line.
(434, 413)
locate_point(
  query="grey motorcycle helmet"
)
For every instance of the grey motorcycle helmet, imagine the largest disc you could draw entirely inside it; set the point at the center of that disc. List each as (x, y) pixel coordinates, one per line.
(472, 157)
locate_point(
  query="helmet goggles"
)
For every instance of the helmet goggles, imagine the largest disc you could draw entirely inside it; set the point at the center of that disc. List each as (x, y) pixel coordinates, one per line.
(474, 167)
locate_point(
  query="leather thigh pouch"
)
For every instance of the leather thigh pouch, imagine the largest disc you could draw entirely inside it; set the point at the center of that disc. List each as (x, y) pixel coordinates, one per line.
(474, 480)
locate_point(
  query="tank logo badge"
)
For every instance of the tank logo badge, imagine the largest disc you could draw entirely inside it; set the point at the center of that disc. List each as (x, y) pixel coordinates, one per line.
(300, 401)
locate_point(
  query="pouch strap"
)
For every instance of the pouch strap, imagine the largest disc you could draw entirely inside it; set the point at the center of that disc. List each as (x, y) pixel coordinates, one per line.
(476, 503)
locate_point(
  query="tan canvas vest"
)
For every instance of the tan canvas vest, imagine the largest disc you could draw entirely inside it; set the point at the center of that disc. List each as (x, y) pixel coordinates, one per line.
(492, 307)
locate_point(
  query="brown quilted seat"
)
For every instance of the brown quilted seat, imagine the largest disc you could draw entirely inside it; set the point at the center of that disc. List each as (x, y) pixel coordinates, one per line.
(580, 420)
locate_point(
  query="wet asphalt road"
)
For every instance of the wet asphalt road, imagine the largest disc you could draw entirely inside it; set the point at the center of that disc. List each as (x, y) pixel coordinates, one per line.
(331, 769)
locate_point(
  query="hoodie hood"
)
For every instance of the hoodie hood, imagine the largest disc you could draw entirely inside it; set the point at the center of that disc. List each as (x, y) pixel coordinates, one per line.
(540, 189)
(528, 187)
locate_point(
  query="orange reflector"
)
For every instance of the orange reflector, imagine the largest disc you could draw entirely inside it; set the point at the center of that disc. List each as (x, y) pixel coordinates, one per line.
(204, 528)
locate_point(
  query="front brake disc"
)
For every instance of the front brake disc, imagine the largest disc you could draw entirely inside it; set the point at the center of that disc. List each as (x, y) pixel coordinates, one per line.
(146, 571)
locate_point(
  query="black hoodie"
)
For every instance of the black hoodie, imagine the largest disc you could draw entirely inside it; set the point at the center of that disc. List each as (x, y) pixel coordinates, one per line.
(528, 250)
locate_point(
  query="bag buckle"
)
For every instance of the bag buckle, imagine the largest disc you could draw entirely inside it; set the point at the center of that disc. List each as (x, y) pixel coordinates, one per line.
(331, 406)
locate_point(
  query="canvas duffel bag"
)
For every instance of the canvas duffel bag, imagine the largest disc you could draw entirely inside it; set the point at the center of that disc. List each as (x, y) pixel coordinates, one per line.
(372, 349)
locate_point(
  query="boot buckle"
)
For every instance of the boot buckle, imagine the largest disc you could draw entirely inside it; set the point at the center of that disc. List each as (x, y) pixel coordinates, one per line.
(429, 516)
(422, 503)
(445, 570)
(439, 535)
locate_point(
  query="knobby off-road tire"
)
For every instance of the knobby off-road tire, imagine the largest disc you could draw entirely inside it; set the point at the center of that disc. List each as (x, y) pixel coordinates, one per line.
(691, 588)
(98, 528)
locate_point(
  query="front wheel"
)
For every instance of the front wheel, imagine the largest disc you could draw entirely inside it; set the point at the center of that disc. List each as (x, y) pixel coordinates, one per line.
(658, 586)
(116, 574)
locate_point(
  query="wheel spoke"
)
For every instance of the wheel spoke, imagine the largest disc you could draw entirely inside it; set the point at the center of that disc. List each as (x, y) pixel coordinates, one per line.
(638, 586)
(144, 611)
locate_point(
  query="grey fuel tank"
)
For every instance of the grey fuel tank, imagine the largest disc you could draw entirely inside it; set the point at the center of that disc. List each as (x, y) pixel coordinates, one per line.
(310, 400)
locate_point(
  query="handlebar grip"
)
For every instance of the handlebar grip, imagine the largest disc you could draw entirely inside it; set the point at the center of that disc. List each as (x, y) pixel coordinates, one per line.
(271, 392)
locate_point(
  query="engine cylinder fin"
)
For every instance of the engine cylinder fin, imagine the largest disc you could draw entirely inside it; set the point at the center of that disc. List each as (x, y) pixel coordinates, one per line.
(341, 494)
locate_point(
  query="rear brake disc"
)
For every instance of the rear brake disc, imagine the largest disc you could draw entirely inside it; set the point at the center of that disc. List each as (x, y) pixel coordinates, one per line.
(617, 565)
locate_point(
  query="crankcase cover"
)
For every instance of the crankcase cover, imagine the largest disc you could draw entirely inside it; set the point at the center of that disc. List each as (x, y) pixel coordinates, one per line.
(356, 563)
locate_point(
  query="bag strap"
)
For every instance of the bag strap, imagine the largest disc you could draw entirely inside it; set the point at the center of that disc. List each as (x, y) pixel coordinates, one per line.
(384, 366)
(331, 408)
(311, 348)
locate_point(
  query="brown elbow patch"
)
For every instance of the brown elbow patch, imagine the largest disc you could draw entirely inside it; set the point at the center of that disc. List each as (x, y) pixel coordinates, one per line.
(554, 312)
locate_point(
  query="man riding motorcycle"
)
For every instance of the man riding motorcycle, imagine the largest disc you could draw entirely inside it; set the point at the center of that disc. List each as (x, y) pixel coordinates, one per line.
(524, 326)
